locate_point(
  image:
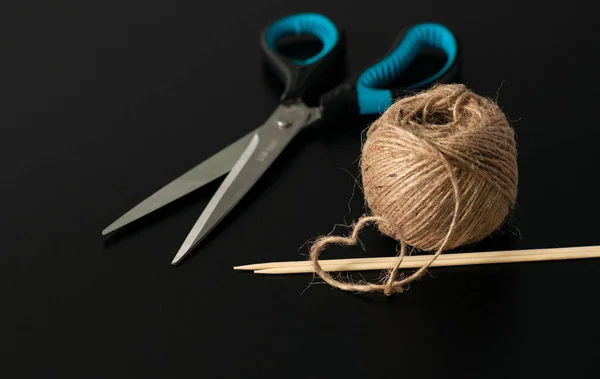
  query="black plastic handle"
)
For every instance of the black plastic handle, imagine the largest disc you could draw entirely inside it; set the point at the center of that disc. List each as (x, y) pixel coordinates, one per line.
(300, 75)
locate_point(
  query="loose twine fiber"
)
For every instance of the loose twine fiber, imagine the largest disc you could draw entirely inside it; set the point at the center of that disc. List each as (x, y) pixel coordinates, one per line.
(439, 170)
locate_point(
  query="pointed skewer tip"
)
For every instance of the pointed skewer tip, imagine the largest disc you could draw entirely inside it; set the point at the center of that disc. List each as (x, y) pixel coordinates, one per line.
(249, 267)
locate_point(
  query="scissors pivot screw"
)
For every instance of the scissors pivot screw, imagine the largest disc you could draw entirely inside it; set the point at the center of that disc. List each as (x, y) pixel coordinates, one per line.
(283, 124)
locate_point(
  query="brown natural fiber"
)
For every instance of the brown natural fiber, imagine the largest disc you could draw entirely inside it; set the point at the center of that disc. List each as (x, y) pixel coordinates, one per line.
(439, 170)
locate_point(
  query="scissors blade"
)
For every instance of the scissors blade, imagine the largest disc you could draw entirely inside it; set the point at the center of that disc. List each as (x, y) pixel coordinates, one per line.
(210, 169)
(264, 147)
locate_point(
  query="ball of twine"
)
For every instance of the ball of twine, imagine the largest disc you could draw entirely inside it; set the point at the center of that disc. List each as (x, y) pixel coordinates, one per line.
(439, 170)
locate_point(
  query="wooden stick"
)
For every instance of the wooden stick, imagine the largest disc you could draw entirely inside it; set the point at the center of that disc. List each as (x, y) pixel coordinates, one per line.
(565, 250)
(364, 264)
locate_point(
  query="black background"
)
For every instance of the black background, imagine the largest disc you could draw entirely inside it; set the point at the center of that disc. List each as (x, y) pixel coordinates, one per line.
(104, 102)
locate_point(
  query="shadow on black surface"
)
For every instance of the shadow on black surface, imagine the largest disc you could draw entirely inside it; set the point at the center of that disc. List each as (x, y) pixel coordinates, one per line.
(459, 309)
(447, 310)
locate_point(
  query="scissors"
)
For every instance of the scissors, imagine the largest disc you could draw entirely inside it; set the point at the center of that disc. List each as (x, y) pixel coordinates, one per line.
(364, 93)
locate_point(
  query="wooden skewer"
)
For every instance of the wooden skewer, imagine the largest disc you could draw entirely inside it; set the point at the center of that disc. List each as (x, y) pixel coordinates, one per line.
(463, 259)
(566, 250)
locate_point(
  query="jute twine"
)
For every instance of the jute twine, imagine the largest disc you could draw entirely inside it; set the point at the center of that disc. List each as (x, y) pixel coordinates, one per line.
(439, 170)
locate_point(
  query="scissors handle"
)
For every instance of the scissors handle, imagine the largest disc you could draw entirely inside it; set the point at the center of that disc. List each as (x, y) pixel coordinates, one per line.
(299, 75)
(369, 93)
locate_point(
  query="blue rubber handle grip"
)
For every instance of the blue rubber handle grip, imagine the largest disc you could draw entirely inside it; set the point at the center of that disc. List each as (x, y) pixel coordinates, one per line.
(314, 24)
(300, 74)
(373, 97)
